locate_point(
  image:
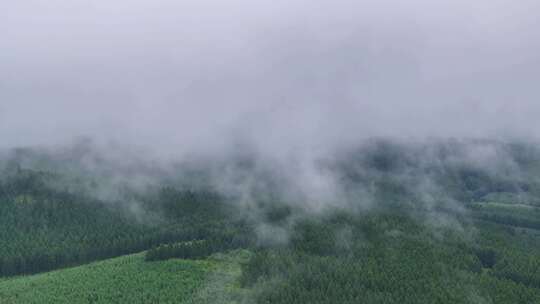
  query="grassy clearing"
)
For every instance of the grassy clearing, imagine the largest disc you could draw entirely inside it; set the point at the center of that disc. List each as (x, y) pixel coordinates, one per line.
(222, 285)
(509, 206)
(129, 279)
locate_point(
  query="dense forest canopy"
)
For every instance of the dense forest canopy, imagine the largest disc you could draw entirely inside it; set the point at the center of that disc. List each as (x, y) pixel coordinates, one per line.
(445, 221)
(270, 151)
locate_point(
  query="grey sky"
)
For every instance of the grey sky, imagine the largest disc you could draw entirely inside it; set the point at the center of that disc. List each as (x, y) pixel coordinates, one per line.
(183, 75)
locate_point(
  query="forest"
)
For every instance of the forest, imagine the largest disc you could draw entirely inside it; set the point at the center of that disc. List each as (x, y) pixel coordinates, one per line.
(478, 241)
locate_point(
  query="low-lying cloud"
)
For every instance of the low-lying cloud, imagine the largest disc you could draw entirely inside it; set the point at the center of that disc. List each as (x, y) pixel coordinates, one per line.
(274, 100)
(195, 76)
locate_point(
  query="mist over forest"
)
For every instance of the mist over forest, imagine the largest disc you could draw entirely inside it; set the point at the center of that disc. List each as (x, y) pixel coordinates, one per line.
(271, 151)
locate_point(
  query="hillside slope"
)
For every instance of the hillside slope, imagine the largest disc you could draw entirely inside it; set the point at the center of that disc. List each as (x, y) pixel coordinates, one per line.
(129, 279)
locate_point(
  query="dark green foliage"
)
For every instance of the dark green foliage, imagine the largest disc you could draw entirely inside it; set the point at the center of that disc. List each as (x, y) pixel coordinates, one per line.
(392, 259)
(126, 279)
(519, 267)
(475, 239)
(197, 249)
(487, 256)
(42, 228)
(508, 214)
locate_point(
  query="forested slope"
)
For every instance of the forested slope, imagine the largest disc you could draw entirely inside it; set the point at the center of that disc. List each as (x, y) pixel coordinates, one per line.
(391, 259)
(409, 227)
(129, 279)
(43, 228)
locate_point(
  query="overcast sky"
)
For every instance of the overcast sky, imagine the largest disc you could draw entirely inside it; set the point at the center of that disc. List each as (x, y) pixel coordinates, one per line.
(196, 74)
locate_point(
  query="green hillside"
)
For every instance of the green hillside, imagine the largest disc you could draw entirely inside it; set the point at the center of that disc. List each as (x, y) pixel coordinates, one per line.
(404, 230)
(129, 279)
(64, 229)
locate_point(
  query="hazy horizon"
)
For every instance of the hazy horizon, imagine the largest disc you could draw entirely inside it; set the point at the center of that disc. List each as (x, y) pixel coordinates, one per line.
(184, 76)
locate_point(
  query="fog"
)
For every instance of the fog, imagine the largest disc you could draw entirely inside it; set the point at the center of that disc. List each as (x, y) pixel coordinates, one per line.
(273, 100)
(189, 76)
